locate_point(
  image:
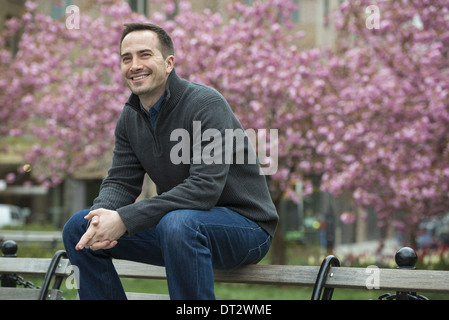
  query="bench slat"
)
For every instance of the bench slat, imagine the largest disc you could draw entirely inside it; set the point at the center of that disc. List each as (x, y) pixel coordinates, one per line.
(27, 294)
(130, 269)
(342, 277)
(390, 279)
(31, 266)
(338, 277)
(289, 275)
(270, 274)
(146, 296)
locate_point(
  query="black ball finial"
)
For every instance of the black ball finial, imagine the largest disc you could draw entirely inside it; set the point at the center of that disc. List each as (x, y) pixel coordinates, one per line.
(406, 258)
(9, 248)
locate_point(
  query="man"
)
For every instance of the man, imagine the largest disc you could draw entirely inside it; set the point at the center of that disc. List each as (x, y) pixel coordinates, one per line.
(206, 215)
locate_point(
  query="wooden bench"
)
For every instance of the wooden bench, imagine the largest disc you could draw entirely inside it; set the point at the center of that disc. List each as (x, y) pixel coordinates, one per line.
(329, 276)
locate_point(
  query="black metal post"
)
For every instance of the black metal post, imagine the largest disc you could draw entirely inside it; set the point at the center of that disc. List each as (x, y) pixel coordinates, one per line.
(406, 258)
(328, 262)
(50, 272)
(9, 250)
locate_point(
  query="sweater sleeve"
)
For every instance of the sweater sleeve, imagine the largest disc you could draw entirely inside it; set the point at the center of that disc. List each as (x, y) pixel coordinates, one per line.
(206, 180)
(123, 184)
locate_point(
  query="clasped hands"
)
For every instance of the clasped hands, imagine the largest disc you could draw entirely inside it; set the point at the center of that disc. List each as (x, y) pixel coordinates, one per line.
(105, 228)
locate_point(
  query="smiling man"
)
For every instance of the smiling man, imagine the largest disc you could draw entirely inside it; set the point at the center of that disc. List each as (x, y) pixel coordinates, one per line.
(146, 79)
(205, 216)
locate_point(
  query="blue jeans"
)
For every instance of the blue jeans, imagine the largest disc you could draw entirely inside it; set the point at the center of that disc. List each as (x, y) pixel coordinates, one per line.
(189, 243)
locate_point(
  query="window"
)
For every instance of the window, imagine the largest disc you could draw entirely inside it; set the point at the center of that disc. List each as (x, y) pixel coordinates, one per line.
(296, 14)
(58, 8)
(140, 6)
(326, 13)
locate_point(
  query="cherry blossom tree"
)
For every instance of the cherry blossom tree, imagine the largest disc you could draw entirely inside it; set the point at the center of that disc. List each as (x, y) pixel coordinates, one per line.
(249, 55)
(61, 92)
(370, 117)
(250, 58)
(68, 91)
(385, 131)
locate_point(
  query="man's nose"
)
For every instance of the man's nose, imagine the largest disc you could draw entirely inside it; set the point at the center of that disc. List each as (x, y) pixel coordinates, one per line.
(136, 66)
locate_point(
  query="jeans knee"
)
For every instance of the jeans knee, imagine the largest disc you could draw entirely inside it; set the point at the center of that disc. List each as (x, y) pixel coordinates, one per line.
(75, 227)
(178, 224)
(178, 219)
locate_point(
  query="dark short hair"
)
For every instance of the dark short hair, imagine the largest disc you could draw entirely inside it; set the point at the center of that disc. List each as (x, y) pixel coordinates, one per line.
(166, 43)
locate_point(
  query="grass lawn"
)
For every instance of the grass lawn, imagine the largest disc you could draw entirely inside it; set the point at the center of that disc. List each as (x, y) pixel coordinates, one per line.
(245, 291)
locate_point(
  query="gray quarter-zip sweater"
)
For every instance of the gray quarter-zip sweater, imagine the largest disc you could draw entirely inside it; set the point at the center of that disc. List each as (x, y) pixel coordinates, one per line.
(179, 162)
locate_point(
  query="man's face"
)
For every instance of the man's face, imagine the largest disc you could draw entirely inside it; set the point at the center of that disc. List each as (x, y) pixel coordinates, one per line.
(144, 69)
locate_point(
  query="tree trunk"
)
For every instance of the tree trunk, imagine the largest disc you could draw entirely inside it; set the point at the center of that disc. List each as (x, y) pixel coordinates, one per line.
(278, 252)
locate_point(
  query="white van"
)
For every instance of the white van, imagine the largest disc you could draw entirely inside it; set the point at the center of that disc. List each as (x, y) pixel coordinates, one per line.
(11, 216)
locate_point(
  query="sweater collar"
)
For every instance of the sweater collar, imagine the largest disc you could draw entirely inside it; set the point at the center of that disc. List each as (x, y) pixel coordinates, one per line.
(173, 91)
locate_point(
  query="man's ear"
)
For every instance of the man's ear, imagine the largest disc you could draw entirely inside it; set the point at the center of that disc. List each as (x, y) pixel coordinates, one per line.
(169, 64)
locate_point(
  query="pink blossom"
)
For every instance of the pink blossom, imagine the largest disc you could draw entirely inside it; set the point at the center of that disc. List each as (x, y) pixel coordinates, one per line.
(347, 217)
(10, 177)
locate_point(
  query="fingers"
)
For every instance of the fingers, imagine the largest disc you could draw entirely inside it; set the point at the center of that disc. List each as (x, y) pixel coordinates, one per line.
(92, 214)
(85, 243)
(96, 236)
(95, 220)
(103, 245)
(87, 236)
(90, 233)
